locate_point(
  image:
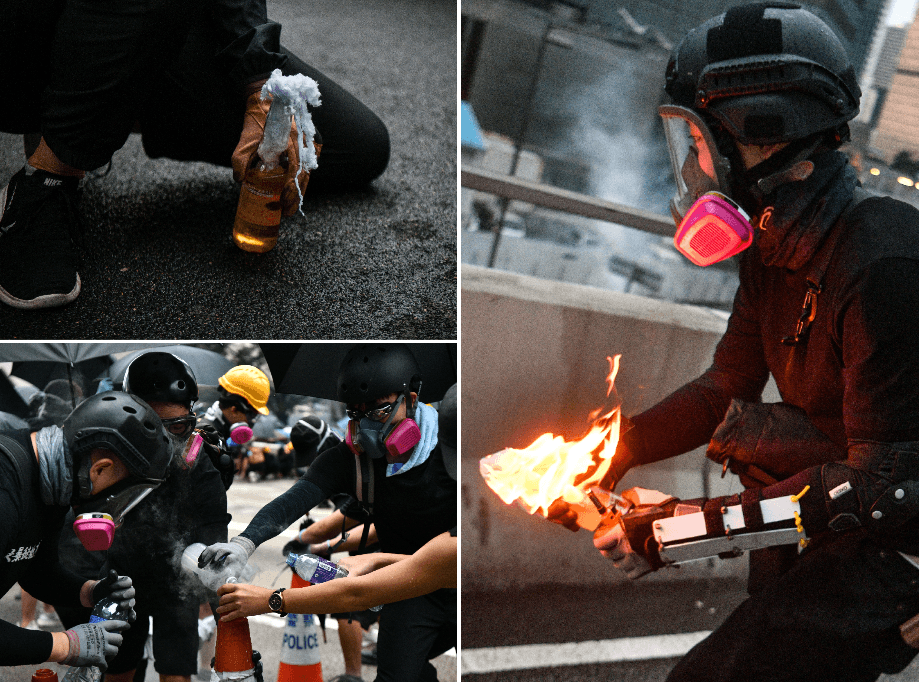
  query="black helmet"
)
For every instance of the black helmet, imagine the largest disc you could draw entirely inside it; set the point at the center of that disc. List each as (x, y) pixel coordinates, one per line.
(124, 424)
(160, 376)
(371, 371)
(765, 73)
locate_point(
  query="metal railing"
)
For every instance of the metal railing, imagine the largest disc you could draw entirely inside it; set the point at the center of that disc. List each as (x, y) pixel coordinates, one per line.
(537, 194)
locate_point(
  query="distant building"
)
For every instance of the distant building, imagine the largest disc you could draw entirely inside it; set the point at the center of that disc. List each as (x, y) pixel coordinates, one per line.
(898, 126)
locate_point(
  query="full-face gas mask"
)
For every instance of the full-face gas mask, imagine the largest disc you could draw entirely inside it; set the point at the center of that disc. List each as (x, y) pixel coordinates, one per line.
(383, 439)
(711, 227)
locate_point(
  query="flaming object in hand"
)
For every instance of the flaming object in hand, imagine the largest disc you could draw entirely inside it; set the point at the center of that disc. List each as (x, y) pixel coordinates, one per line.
(552, 468)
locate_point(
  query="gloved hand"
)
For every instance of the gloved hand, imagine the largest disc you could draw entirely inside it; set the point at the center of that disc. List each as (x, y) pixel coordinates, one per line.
(247, 148)
(627, 539)
(612, 542)
(232, 555)
(213, 446)
(93, 643)
(117, 587)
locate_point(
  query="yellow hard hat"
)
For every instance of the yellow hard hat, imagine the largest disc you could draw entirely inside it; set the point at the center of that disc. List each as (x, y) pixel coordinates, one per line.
(250, 383)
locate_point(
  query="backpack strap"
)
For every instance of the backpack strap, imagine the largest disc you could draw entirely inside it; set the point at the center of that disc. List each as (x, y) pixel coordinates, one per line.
(363, 487)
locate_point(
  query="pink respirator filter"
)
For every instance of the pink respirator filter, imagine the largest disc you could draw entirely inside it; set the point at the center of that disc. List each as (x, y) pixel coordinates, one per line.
(241, 433)
(403, 438)
(192, 450)
(715, 228)
(95, 531)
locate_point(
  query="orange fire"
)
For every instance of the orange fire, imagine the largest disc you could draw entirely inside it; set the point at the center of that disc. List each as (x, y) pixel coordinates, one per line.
(552, 468)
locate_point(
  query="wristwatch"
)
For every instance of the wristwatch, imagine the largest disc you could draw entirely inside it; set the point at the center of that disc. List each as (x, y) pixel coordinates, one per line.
(276, 602)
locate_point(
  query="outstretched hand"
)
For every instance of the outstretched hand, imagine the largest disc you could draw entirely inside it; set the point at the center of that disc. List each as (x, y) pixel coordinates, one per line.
(241, 601)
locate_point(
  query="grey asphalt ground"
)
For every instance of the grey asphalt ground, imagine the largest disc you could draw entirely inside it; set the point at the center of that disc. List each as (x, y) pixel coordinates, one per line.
(244, 500)
(380, 262)
(548, 614)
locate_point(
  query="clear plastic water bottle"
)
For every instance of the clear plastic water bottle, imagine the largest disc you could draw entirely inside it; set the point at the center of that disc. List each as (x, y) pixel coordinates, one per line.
(314, 569)
(105, 609)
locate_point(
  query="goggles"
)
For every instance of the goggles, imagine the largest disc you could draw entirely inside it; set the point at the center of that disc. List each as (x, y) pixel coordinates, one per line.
(375, 413)
(181, 426)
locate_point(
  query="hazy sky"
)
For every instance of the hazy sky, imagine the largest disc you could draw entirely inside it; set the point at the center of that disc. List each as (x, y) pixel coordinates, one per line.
(902, 12)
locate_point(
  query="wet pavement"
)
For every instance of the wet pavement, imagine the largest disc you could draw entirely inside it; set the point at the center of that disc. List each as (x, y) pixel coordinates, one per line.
(245, 499)
(380, 262)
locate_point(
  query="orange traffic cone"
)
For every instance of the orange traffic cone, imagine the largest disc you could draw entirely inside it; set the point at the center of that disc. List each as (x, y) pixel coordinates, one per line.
(233, 652)
(300, 647)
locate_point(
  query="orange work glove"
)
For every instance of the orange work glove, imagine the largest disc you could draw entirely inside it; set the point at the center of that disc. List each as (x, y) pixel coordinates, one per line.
(250, 138)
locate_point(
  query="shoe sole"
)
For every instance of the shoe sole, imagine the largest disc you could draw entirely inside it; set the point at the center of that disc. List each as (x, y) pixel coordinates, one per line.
(45, 301)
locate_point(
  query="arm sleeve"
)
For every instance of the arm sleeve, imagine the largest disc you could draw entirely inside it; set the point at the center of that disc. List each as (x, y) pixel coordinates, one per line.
(284, 510)
(687, 418)
(251, 44)
(19, 646)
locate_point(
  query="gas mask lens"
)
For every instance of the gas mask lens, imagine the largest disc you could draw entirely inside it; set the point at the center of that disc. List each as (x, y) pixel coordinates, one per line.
(698, 167)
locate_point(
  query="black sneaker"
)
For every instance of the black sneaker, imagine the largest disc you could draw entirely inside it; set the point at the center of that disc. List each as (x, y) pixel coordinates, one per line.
(38, 223)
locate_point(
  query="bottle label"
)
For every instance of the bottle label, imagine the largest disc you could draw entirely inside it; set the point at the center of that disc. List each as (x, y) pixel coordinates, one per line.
(324, 572)
(258, 205)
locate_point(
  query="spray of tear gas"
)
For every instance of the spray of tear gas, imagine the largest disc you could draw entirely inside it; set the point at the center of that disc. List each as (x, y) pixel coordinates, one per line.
(105, 609)
(314, 569)
(258, 215)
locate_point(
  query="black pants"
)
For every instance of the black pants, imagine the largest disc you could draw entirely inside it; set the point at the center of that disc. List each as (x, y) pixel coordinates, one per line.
(85, 73)
(834, 617)
(412, 632)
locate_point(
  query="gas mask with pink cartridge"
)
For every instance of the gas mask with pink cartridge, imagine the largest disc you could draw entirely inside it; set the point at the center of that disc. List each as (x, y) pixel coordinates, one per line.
(368, 373)
(766, 75)
(123, 426)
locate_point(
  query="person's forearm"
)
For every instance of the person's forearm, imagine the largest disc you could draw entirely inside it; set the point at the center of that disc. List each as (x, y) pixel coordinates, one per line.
(326, 528)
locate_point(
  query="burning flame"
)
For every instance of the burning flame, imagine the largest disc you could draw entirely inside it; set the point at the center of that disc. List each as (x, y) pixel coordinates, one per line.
(552, 468)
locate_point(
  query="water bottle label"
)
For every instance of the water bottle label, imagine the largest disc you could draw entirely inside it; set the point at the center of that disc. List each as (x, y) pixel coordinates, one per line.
(324, 572)
(96, 619)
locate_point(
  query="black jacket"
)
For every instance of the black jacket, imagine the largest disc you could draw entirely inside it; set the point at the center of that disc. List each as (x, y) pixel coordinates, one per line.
(29, 544)
(856, 372)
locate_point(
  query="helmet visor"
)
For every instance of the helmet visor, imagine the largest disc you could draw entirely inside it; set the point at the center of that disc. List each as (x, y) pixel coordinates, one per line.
(698, 167)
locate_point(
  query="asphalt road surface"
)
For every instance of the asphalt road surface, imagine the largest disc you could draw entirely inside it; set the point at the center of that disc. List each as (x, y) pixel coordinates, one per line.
(158, 262)
(245, 499)
(624, 632)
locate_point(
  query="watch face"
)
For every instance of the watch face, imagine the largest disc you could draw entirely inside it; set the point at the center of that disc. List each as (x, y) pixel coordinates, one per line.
(275, 602)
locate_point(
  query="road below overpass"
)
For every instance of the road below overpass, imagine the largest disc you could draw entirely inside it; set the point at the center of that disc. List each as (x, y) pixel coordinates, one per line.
(624, 632)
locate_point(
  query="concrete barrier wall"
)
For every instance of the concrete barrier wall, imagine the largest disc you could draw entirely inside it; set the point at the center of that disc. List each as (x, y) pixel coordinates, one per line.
(533, 361)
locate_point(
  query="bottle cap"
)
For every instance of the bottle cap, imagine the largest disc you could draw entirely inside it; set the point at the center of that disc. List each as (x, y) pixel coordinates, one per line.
(44, 675)
(233, 651)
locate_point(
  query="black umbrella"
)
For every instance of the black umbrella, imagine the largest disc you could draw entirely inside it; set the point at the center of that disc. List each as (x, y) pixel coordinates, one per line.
(207, 365)
(40, 363)
(311, 369)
